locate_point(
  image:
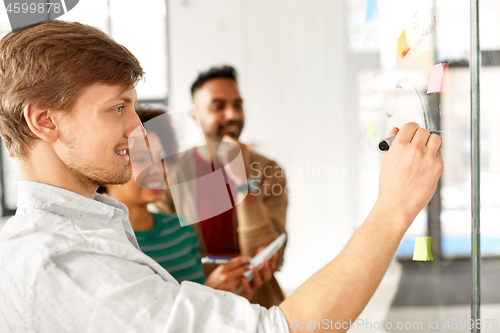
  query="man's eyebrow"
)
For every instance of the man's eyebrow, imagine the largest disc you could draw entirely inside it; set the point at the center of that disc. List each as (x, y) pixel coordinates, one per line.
(127, 100)
(120, 98)
(219, 100)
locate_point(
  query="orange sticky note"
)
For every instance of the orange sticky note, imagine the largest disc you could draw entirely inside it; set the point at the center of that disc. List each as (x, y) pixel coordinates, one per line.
(402, 45)
(436, 78)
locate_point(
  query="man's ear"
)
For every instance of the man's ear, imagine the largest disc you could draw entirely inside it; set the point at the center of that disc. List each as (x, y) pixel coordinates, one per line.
(194, 114)
(41, 122)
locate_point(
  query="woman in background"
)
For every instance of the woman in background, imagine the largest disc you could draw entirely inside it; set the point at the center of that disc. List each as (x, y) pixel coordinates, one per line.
(160, 235)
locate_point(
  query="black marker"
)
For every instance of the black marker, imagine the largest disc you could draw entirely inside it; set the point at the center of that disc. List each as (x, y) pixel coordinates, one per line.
(385, 144)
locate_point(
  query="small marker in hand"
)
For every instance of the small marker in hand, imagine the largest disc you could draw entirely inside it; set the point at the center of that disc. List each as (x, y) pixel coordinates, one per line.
(386, 143)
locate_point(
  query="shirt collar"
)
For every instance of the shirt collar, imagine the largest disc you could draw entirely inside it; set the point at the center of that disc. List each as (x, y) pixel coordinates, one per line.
(67, 203)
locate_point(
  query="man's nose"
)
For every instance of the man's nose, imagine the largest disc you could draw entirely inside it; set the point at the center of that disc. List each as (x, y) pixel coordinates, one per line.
(232, 113)
(133, 122)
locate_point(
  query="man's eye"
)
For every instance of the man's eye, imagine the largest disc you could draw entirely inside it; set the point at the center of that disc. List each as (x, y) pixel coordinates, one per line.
(217, 107)
(119, 108)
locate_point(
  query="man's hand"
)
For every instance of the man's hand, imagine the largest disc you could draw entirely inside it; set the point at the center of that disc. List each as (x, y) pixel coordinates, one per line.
(238, 171)
(408, 179)
(243, 147)
(227, 153)
(410, 171)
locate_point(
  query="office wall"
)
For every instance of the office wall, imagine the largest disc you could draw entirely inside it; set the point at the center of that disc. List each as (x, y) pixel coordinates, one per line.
(293, 65)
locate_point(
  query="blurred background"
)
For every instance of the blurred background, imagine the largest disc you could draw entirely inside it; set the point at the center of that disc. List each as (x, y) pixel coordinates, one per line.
(321, 86)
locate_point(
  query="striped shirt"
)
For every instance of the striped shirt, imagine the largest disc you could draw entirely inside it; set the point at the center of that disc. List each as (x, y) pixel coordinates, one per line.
(174, 247)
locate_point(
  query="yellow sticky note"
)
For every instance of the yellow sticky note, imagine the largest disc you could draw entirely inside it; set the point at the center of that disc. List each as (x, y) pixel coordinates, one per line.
(372, 129)
(402, 45)
(422, 250)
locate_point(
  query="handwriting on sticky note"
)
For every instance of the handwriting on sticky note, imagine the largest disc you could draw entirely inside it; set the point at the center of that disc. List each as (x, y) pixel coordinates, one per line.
(436, 78)
(402, 45)
(370, 9)
(422, 250)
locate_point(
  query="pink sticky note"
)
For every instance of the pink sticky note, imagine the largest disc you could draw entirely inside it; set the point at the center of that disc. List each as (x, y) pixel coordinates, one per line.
(436, 78)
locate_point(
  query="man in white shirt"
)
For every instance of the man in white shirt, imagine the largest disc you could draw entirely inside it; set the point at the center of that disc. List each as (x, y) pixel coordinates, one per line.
(69, 260)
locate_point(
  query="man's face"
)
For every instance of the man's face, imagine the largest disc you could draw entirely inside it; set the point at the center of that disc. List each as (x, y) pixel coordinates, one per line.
(220, 109)
(93, 140)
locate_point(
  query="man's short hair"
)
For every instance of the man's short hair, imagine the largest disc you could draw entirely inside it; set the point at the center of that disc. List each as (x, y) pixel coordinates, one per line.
(49, 65)
(224, 71)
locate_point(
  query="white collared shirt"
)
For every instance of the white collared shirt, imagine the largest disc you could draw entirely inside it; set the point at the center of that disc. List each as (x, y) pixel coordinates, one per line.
(72, 264)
